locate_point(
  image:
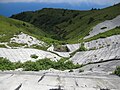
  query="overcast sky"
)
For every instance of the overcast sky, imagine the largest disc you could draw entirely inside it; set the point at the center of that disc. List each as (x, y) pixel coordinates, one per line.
(9, 7)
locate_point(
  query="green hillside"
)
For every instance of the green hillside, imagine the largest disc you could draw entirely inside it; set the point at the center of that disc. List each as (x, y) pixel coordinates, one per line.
(10, 27)
(70, 25)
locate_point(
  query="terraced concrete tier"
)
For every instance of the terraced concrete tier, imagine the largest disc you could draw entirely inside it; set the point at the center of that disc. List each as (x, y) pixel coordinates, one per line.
(106, 67)
(24, 54)
(104, 26)
(100, 55)
(53, 81)
(73, 47)
(109, 42)
(99, 50)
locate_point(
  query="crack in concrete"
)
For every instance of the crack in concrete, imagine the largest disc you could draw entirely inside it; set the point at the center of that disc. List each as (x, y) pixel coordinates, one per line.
(41, 78)
(18, 88)
(76, 83)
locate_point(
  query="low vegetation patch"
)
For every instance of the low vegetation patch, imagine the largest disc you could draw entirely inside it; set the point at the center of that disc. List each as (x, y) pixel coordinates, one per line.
(117, 71)
(82, 48)
(34, 56)
(2, 46)
(43, 64)
(61, 48)
(39, 47)
(6, 64)
(13, 44)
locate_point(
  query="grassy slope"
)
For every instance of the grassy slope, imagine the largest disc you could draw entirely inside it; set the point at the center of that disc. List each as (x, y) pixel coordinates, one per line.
(84, 28)
(10, 27)
(47, 19)
(68, 24)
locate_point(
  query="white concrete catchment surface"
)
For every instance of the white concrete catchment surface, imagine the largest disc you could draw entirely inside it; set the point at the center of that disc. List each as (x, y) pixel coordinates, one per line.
(110, 50)
(24, 54)
(57, 81)
(109, 42)
(104, 26)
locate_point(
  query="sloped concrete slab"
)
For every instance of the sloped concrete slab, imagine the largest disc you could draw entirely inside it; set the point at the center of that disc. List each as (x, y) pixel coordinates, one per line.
(104, 26)
(65, 81)
(24, 55)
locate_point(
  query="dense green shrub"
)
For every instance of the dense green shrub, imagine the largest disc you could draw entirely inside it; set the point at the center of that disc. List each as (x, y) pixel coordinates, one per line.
(82, 48)
(45, 64)
(2, 46)
(30, 66)
(117, 71)
(71, 70)
(5, 64)
(34, 56)
(42, 64)
(18, 65)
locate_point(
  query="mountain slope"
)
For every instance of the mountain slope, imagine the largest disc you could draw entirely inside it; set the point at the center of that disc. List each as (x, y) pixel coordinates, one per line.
(68, 24)
(47, 19)
(10, 27)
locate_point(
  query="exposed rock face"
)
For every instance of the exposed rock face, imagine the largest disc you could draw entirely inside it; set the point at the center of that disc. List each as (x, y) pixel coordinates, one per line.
(23, 55)
(104, 26)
